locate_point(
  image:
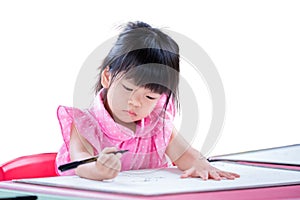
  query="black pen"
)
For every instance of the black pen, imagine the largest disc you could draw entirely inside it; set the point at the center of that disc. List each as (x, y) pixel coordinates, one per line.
(27, 197)
(75, 164)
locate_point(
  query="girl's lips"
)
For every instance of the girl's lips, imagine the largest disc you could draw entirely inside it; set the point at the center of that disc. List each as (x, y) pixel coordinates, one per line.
(131, 113)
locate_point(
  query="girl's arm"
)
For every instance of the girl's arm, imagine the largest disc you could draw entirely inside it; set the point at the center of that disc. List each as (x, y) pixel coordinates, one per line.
(106, 167)
(192, 162)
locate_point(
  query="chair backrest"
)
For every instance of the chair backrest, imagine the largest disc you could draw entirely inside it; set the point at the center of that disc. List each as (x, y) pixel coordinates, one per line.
(31, 166)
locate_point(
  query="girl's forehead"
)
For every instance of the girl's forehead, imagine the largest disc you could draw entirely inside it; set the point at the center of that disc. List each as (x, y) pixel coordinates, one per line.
(128, 81)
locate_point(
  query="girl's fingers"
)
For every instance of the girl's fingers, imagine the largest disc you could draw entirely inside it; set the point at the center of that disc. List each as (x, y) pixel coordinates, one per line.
(103, 158)
(234, 174)
(215, 175)
(226, 175)
(192, 172)
(203, 175)
(187, 173)
(115, 163)
(118, 155)
(110, 161)
(109, 150)
(229, 175)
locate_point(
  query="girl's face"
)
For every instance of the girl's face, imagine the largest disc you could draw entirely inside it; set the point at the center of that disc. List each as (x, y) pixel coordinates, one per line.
(129, 103)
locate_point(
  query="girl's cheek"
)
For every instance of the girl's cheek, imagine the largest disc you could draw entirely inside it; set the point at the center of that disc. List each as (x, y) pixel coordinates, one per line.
(151, 106)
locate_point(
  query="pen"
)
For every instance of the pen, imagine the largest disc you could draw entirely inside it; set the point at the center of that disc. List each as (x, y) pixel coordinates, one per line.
(29, 197)
(75, 164)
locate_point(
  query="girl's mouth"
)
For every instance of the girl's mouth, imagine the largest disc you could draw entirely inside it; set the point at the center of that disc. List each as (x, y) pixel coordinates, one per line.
(131, 113)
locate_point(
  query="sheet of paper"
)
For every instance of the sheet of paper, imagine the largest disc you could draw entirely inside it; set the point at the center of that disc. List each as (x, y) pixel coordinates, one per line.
(168, 181)
(288, 155)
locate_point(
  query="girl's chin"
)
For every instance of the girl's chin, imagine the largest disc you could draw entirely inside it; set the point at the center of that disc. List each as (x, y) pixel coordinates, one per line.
(127, 119)
(130, 120)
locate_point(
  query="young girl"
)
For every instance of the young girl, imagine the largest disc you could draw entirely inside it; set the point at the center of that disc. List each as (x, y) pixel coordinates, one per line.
(134, 108)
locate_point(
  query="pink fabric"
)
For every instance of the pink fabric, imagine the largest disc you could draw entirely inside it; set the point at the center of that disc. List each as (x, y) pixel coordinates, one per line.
(146, 146)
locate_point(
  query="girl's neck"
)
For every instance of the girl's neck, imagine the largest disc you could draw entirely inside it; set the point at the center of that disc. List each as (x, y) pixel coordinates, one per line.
(131, 126)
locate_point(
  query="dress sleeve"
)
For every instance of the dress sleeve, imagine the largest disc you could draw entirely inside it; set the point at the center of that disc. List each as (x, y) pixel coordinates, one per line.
(86, 125)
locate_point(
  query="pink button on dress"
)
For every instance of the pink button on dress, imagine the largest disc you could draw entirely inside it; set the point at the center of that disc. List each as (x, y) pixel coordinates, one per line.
(146, 146)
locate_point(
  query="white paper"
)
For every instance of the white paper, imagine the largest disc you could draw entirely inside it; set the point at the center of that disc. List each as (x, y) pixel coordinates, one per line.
(168, 181)
(289, 155)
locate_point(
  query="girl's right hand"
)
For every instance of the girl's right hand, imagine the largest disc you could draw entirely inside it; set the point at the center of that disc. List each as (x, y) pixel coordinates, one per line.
(109, 164)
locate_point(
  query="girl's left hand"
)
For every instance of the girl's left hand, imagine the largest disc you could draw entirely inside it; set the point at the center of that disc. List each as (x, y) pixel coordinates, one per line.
(205, 171)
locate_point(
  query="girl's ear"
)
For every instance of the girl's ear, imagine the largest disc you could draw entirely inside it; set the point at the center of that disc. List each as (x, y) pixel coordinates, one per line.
(105, 78)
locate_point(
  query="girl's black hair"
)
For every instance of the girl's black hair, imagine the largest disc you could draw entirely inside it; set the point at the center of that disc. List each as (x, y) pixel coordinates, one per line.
(147, 56)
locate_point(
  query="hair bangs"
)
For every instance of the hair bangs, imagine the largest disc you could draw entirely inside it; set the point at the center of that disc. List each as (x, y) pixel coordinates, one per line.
(154, 77)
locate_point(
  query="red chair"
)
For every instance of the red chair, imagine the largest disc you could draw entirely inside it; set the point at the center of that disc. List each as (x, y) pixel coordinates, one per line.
(32, 166)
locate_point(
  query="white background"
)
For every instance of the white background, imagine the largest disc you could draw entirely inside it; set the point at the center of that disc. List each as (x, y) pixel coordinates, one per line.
(255, 46)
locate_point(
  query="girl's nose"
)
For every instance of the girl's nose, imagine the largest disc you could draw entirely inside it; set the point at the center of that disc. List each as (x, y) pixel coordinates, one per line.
(134, 100)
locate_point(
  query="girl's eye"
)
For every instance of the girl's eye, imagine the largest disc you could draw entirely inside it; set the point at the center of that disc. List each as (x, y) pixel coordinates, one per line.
(127, 88)
(151, 98)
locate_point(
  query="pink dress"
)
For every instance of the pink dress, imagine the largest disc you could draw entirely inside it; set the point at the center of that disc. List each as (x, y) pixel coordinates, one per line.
(146, 146)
